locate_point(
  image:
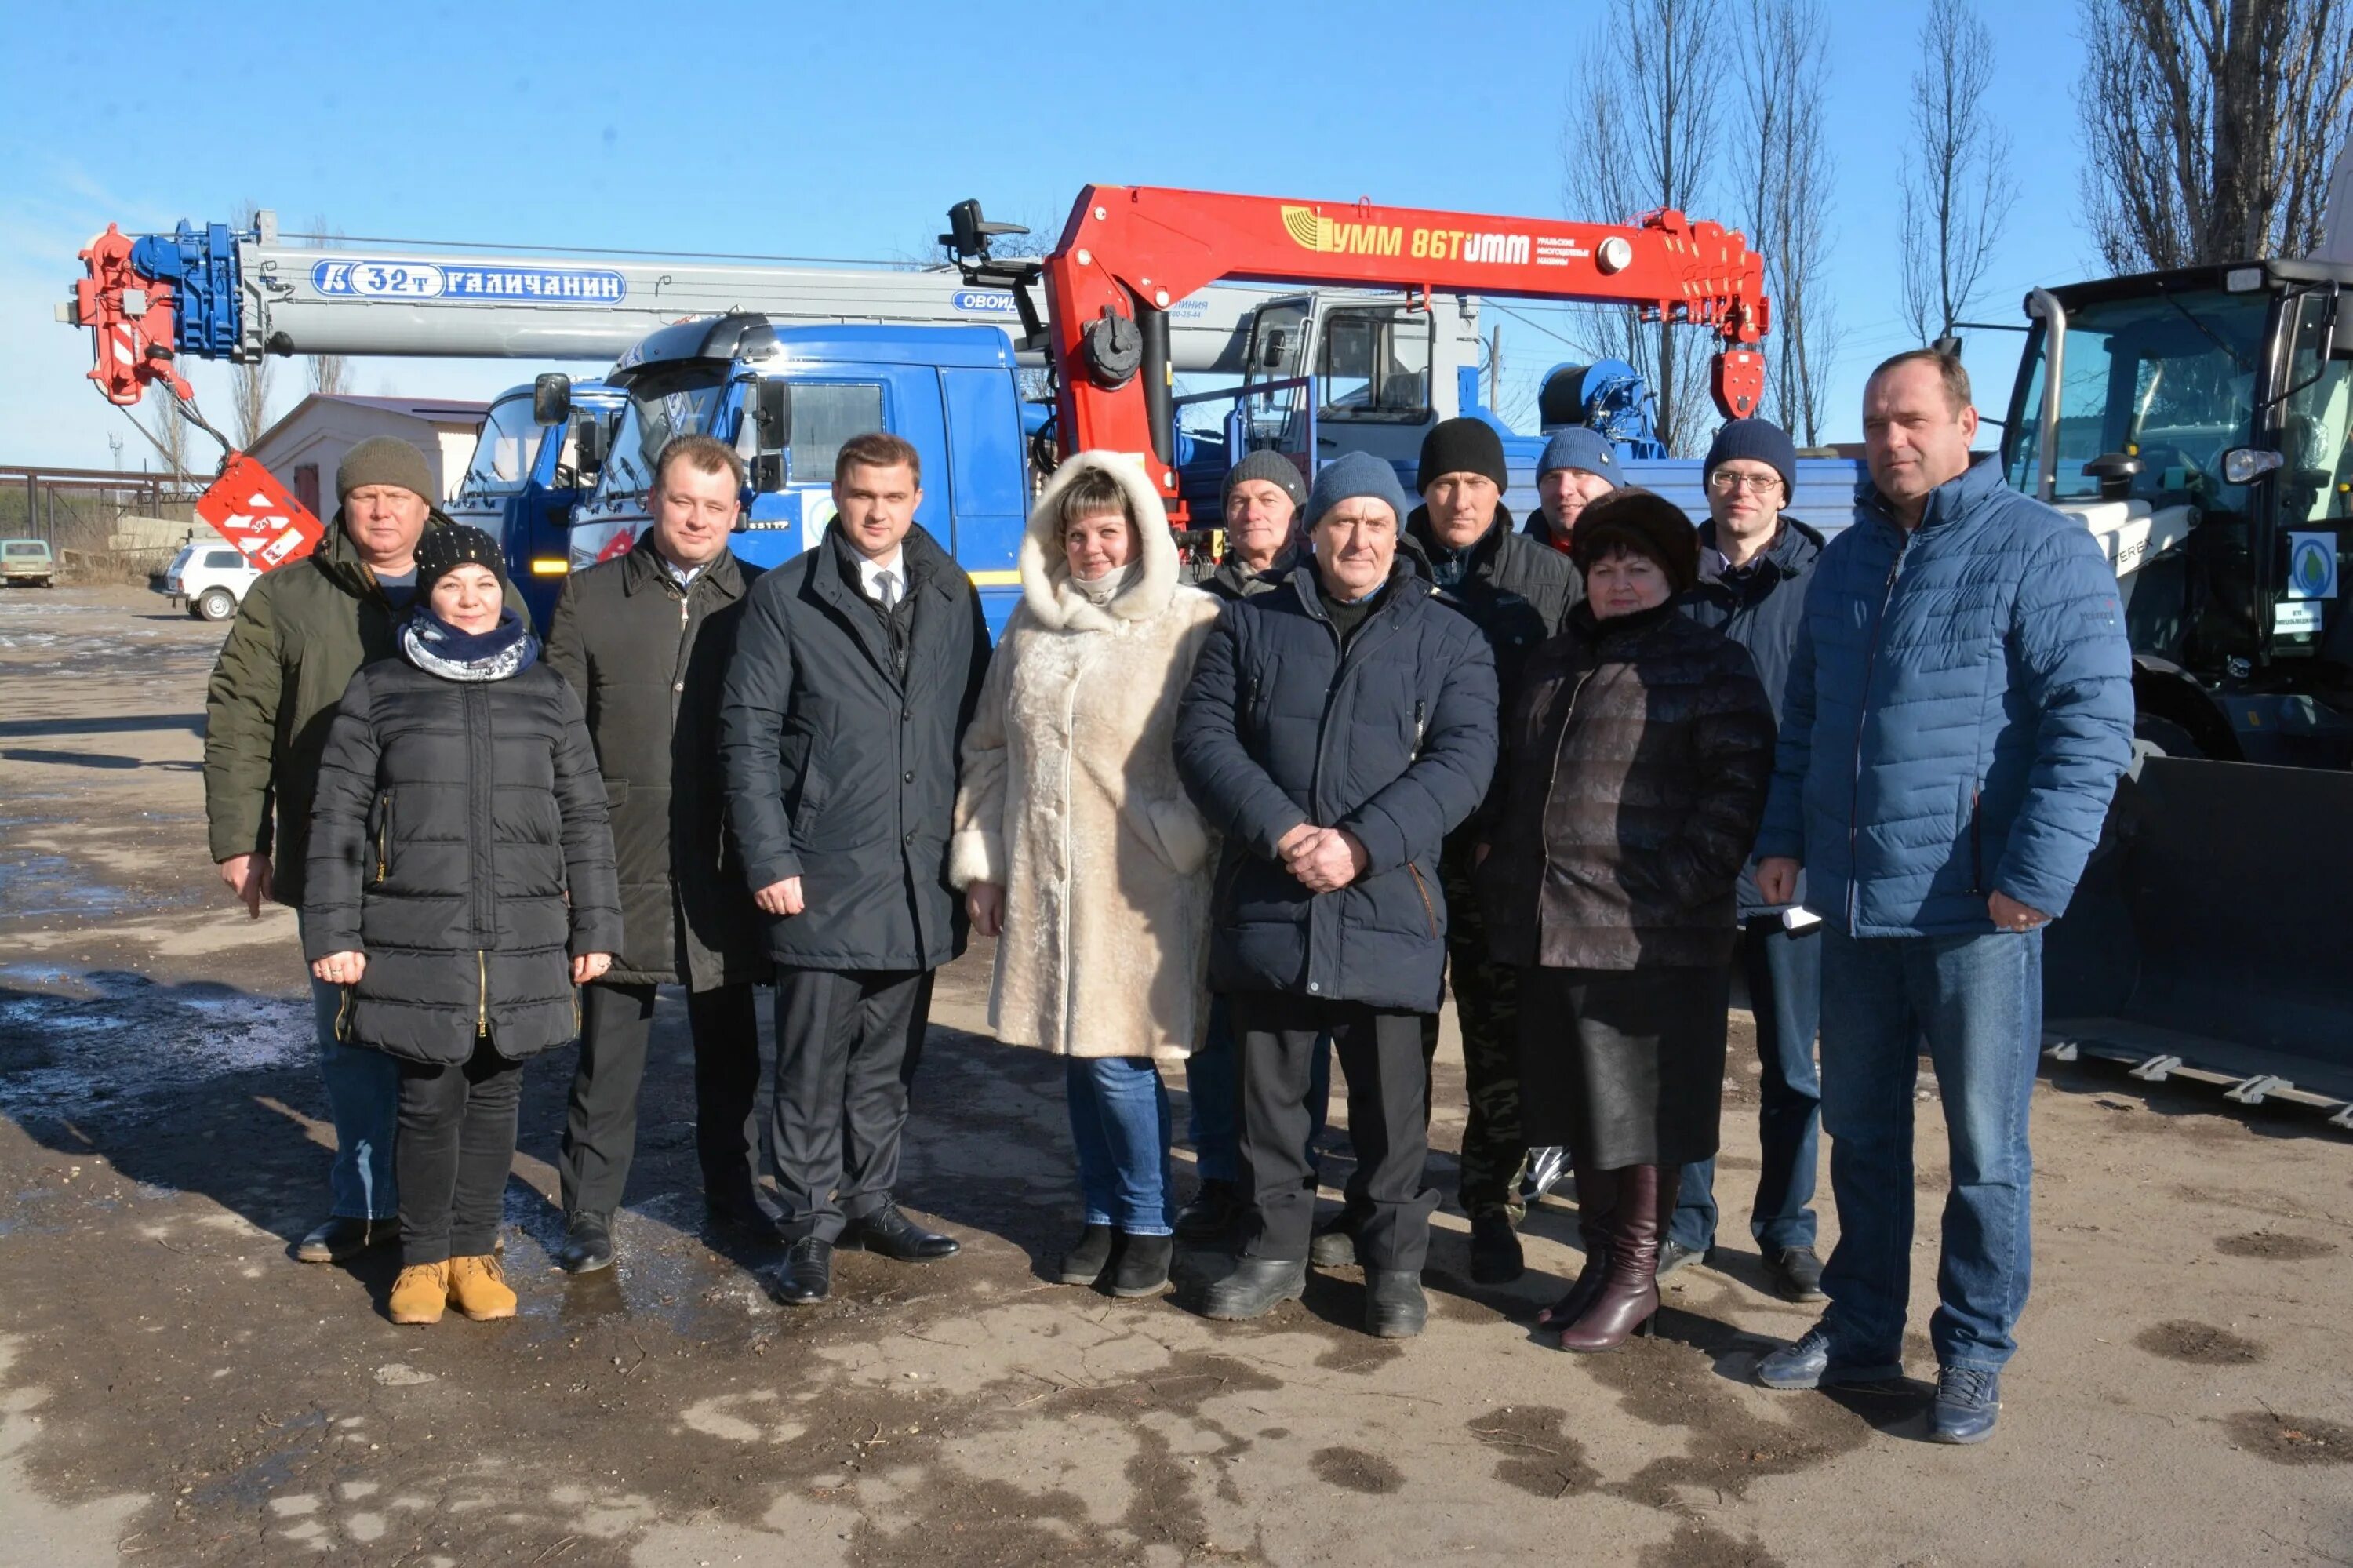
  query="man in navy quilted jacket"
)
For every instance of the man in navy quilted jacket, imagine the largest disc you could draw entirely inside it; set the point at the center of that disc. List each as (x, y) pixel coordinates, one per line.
(1956, 716)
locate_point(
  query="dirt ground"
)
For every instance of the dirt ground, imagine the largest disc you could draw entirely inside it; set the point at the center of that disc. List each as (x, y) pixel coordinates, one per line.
(174, 1389)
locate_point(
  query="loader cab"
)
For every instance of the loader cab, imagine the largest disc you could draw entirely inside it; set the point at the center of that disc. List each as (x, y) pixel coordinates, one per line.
(786, 398)
(1383, 364)
(526, 475)
(2200, 429)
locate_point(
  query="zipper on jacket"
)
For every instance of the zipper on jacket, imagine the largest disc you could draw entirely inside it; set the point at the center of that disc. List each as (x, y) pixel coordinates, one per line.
(1559, 745)
(383, 835)
(1420, 723)
(1976, 842)
(1862, 717)
(1428, 910)
(482, 995)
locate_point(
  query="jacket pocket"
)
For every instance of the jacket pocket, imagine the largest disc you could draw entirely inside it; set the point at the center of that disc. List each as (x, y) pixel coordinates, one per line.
(1428, 909)
(384, 836)
(1977, 839)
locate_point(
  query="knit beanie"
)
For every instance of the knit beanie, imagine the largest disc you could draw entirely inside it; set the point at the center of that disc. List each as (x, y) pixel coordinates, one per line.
(1642, 521)
(1351, 475)
(1274, 467)
(1758, 440)
(452, 546)
(385, 460)
(1579, 447)
(1462, 445)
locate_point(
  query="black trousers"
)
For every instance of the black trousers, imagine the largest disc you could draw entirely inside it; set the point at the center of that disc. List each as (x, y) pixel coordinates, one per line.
(600, 1127)
(1388, 1093)
(846, 1043)
(457, 1143)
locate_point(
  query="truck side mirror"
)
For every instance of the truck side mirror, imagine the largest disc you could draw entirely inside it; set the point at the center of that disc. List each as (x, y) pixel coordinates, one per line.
(551, 398)
(772, 416)
(587, 443)
(771, 472)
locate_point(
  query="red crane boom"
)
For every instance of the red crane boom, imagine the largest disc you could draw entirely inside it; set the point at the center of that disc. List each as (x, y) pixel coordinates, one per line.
(1130, 252)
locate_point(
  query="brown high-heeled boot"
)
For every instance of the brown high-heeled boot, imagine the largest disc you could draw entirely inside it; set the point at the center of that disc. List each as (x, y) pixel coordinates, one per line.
(1628, 1299)
(1597, 1195)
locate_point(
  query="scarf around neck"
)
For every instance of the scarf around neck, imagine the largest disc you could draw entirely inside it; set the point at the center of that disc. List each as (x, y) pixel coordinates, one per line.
(437, 648)
(1109, 586)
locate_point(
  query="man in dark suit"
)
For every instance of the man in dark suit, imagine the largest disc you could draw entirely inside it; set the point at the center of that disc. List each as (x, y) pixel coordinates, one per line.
(856, 670)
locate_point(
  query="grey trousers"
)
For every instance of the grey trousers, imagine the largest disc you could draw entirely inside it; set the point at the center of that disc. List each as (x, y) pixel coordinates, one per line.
(842, 1038)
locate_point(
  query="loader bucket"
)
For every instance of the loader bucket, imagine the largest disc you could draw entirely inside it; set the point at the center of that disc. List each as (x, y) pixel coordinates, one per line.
(2212, 935)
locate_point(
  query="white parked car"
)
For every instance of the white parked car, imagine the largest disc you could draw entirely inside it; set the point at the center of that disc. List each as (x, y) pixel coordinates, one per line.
(210, 579)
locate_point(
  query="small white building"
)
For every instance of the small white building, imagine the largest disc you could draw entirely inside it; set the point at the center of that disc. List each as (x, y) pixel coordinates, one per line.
(304, 448)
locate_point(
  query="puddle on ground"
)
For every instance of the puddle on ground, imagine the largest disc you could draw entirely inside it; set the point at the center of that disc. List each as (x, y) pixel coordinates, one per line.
(2200, 1344)
(2274, 1245)
(2291, 1439)
(133, 1040)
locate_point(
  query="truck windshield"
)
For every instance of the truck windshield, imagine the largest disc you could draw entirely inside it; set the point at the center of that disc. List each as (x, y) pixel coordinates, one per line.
(682, 401)
(2172, 374)
(504, 450)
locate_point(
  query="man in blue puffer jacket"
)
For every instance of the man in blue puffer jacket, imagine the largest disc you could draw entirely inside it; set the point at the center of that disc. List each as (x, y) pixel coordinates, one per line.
(1956, 716)
(1335, 732)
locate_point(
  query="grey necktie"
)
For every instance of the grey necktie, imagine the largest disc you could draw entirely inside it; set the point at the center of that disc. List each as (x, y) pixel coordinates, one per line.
(886, 589)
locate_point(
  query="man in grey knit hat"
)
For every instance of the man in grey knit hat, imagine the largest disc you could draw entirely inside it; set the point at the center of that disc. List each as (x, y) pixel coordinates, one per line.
(1260, 500)
(303, 630)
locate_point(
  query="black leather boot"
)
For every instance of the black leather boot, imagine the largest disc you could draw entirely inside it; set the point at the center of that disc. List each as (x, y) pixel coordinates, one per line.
(1495, 1256)
(1211, 1216)
(1255, 1287)
(1395, 1307)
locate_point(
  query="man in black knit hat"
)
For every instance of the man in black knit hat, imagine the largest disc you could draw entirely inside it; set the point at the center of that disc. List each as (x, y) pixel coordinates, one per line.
(1516, 592)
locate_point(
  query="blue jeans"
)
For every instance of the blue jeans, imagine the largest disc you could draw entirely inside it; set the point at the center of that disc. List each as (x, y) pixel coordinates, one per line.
(1978, 1001)
(363, 1103)
(1213, 1088)
(1119, 1121)
(1785, 991)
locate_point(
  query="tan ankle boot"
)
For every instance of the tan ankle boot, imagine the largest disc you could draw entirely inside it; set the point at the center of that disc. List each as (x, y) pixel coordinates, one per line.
(477, 1288)
(420, 1293)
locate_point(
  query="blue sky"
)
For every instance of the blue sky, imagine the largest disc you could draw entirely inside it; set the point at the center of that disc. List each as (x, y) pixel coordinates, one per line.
(848, 130)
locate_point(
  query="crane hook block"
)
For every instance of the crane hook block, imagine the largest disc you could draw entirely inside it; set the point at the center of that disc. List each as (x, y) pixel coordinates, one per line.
(1738, 380)
(1115, 350)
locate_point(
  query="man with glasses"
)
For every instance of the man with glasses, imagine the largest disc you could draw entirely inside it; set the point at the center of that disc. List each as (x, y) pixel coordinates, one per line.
(1755, 565)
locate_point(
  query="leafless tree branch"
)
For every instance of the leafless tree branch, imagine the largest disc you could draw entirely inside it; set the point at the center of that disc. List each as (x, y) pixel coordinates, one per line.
(1646, 135)
(1784, 174)
(250, 384)
(1957, 191)
(2210, 126)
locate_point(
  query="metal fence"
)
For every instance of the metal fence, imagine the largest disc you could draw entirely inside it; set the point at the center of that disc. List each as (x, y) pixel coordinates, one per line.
(83, 508)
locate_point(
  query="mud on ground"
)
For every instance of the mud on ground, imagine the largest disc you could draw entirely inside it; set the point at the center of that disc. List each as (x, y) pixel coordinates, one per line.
(174, 1389)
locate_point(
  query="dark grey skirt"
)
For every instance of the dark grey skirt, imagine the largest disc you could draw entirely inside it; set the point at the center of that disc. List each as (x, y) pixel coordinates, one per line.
(1623, 1066)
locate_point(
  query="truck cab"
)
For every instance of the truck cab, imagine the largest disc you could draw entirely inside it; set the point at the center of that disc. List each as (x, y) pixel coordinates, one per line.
(527, 474)
(2197, 422)
(786, 398)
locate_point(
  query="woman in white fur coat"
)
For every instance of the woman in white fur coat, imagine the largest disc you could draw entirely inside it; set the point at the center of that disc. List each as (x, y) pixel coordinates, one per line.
(1077, 847)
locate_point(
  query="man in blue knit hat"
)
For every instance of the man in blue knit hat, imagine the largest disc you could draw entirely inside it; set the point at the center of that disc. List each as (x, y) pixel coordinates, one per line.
(1335, 732)
(1755, 566)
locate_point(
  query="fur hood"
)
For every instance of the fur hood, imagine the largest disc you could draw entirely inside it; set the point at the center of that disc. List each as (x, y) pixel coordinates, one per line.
(1046, 575)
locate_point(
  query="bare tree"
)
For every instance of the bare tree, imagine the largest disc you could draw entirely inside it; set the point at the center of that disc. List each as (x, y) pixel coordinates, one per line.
(329, 375)
(2210, 126)
(1957, 190)
(1646, 136)
(1784, 170)
(166, 430)
(250, 384)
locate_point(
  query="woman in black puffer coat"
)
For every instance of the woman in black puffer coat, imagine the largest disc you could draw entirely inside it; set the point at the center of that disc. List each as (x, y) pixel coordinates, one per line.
(1637, 750)
(460, 885)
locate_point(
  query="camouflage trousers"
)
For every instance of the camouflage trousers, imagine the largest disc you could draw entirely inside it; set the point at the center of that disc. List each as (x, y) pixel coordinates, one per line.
(1486, 1006)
